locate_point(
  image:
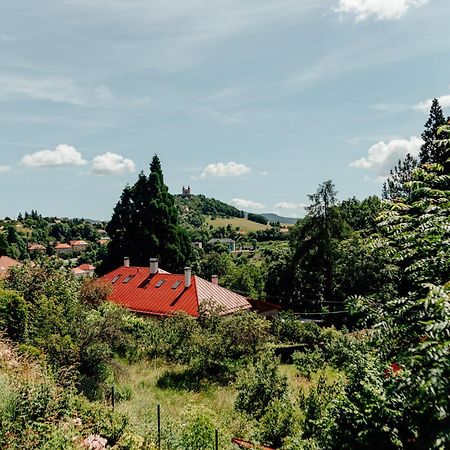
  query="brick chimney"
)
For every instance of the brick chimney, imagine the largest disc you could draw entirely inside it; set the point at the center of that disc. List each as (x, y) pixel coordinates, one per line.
(187, 276)
(153, 266)
(215, 280)
(126, 261)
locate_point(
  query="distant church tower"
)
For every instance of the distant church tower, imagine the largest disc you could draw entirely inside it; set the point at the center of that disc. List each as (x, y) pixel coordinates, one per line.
(186, 192)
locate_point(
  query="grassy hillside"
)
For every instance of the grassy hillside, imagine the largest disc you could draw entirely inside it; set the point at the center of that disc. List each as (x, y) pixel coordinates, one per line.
(244, 225)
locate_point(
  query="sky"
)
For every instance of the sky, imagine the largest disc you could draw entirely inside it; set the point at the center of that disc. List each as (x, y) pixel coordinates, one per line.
(253, 102)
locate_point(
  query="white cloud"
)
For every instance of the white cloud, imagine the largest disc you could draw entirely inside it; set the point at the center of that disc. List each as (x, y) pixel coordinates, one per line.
(63, 155)
(290, 205)
(382, 156)
(4, 168)
(246, 204)
(444, 101)
(54, 89)
(112, 164)
(380, 9)
(230, 169)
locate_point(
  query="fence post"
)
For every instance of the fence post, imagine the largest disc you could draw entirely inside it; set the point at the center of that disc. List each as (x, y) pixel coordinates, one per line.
(217, 440)
(158, 410)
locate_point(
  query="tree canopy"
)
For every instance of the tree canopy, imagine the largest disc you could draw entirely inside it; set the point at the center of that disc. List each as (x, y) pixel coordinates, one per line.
(144, 224)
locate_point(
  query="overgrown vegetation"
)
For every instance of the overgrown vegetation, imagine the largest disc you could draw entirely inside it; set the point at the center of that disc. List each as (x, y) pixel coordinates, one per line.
(379, 272)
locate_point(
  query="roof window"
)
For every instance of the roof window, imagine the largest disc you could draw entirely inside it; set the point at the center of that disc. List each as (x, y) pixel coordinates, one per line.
(127, 279)
(115, 279)
(159, 283)
(176, 284)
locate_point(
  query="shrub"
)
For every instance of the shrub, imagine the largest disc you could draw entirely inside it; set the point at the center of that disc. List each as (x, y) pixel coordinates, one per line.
(199, 434)
(260, 384)
(308, 362)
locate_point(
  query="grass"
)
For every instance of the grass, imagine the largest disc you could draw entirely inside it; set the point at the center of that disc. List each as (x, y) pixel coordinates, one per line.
(244, 225)
(177, 405)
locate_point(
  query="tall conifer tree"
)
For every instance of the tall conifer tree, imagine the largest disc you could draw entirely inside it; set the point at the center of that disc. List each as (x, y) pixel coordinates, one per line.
(144, 224)
(431, 152)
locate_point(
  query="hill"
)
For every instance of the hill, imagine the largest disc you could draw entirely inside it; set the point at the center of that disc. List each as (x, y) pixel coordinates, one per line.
(206, 206)
(243, 224)
(271, 217)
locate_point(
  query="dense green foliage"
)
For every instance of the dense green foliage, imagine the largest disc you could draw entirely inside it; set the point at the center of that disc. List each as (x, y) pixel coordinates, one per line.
(145, 225)
(258, 218)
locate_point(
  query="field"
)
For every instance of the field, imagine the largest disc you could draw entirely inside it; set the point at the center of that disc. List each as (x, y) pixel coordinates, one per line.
(138, 385)
(244, 225)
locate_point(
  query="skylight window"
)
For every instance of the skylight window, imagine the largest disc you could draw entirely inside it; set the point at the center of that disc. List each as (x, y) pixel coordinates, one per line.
(115, 279)
(176, 284)
(160, 283)
(127, 279)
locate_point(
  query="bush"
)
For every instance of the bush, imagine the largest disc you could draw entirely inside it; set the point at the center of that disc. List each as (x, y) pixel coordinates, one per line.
(278, 422)
(288, 329)
(199, 434)
(308, 362)
(260, 384)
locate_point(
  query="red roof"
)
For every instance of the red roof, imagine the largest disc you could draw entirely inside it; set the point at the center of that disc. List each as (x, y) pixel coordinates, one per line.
(36, 247)
(164, 293)
(61, 246)
(5, 263)
(73, 243)
(86, 267)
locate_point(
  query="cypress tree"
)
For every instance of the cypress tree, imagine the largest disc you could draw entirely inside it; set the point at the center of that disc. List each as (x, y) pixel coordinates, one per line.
(144, 224)
(430, 152)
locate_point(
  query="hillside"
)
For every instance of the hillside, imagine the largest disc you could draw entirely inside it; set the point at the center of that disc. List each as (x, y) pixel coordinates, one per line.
(243, 224)
(271, 217)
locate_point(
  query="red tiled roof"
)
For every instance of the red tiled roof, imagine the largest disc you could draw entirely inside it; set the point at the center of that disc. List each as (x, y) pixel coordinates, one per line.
(86, 267)
(6, 262)
(78, 243)
(164, 293)
(36, 247)
(61, 246)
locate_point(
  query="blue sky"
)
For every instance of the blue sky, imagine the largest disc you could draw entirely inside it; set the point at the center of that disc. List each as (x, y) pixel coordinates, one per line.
(253, 102)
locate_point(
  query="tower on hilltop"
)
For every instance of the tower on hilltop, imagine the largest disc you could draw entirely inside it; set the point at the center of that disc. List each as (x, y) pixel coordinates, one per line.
(186, 191)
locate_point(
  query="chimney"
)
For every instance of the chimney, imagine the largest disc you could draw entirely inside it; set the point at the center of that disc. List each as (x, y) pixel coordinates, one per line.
(187, 276)
(215, 280)
(153, 266)
(126, 261)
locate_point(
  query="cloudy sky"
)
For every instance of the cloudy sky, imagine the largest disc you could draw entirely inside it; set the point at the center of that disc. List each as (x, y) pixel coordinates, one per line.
(254, 102)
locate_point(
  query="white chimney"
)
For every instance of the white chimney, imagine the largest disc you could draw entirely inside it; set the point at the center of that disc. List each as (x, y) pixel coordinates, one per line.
(187, 276)
(153, 266)
(126, 261)
(215, 280)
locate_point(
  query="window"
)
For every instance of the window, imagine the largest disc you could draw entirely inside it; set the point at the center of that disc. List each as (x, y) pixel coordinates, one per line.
(115, 279)
(145, 283)
(127, 279)
(176, 284)
(160, 283)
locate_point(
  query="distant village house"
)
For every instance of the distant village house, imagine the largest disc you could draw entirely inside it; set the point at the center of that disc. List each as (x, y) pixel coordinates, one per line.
(230, 243)
(5, 264)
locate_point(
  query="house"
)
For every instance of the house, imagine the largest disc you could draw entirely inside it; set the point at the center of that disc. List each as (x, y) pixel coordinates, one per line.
(79, 246)
(83, 271)
(231, 245)
(62, 248)
(155, 292)
(104, 241)
(197, 244)
(6, 263)
(36, 248)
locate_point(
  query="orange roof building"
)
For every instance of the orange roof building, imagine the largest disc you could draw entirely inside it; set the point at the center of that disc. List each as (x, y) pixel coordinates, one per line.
(152, 291)
(6, 263)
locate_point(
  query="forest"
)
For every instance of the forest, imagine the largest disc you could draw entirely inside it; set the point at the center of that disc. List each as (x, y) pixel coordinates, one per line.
(357, 358)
